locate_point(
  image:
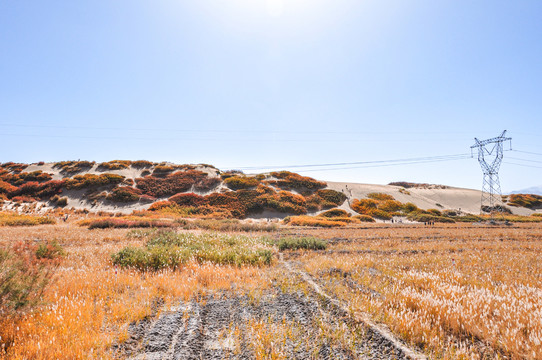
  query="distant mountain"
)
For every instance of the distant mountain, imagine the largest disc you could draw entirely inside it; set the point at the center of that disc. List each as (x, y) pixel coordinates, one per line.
(532, 190)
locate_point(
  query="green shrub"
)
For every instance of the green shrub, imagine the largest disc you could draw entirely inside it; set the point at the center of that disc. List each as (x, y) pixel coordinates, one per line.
(307, 243)
(409, 207)
(425, 217)
(434, 212)
(170, 250)
(49, 250)
(241, 182)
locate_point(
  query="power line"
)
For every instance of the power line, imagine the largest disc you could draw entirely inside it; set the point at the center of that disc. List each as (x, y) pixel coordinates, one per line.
(524, 165)
(365, 163)
(382, 165)
(535, 161)
(527, 152)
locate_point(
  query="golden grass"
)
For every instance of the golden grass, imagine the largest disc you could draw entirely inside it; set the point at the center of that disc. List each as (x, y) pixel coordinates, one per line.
(445, 289)
(90, 303)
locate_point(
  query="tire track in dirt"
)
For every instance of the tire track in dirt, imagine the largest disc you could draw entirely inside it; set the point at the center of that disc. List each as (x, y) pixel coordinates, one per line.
(222, 326)
(379, 331)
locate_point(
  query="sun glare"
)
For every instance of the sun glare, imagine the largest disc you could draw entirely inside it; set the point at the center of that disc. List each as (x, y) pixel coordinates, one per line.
(274, 7)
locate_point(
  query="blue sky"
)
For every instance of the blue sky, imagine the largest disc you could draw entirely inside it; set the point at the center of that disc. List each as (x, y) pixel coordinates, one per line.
(255, 83)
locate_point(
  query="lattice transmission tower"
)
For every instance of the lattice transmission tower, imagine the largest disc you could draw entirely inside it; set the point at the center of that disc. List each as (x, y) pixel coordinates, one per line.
(490, 154)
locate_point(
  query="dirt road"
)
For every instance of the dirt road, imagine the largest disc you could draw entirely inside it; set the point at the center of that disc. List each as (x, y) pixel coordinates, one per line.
(292, 322)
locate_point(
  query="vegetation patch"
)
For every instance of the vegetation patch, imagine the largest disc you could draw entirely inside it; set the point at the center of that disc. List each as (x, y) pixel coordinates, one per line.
(304, 220)
(114, 165)
(306, 243)
(241, 182)
(25, 272)
(171, 250)
(364, 218)
(529, 201)
(93, 181)
(335, 213)
(380, 196)
(13, 219)
(291, 181)
(226, 225)
(142, 164)
(73, 167)
(178, 182)
(109, 223)
(125, 194)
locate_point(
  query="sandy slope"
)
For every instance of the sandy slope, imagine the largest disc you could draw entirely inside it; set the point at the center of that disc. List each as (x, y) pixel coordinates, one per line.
(431, 197)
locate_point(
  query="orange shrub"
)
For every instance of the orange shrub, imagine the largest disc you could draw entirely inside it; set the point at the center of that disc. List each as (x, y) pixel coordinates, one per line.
(72, 167)
(114, 165)
(390, 206)
(363, 206)
(380, 196)
(38, 176)
(312, 221)
(332, 196)
(288, 180)
(6, 188)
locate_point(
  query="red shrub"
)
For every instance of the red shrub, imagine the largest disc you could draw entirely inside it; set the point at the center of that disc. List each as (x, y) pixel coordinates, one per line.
(6, 188)
(178, 182)
(124, 194)
(207, 184)
(37, 190)
(189, 199)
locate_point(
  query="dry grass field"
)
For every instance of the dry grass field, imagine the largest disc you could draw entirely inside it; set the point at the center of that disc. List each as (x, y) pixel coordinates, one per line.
(451, 291)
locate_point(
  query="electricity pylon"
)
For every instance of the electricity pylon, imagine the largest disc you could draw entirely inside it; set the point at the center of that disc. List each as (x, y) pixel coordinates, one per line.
(490, 154)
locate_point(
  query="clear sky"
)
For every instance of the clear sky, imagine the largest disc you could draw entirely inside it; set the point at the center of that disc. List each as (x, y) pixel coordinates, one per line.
(254, 83)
